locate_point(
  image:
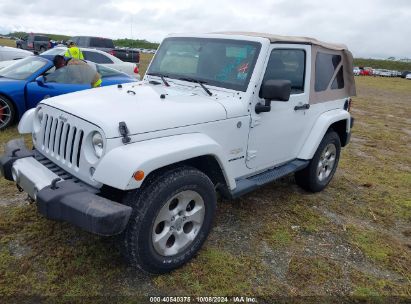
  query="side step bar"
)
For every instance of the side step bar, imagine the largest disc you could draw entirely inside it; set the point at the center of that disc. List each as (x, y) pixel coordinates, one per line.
(245, 185)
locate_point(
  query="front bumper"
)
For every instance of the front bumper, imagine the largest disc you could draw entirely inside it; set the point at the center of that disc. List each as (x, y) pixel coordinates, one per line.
(58, 199)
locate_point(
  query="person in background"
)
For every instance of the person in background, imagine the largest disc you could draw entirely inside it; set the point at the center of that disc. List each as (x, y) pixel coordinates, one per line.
(73, 51)
(77, 71)
(59, 61)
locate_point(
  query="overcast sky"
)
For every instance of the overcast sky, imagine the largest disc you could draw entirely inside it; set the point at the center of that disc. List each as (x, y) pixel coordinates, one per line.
(370, 28)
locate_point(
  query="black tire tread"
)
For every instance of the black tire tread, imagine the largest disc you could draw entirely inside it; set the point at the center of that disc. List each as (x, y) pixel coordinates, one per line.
(140, 200)
(306, 178)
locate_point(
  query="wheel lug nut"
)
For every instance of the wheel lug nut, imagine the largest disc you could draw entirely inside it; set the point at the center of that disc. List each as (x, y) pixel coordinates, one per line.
(171, 228)
(184, 218)
(173, 218)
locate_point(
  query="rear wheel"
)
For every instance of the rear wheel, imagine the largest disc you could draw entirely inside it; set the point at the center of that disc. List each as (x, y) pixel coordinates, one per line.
(171, 219)
(7, 113)
(317, 175)
(42, 49)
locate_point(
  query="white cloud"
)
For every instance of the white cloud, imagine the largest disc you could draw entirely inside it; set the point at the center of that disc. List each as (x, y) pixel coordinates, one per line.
(376, 28)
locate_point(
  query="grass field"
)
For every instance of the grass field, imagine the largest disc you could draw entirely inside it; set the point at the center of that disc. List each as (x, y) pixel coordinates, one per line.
(353, 239)
(7, 42)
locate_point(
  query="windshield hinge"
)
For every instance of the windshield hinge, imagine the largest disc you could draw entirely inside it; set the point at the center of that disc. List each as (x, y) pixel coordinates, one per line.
(255, 121)
(251, 154)
(122, 127)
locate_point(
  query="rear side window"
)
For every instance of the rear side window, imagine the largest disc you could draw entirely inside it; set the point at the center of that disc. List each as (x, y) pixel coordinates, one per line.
(287, 64)
(325, 67)
(96, 57)
(41, 38)
(101, 42)
(82, 41)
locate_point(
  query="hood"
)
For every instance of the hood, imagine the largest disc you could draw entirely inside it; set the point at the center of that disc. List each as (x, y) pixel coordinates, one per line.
(8, 84)
(139, 105)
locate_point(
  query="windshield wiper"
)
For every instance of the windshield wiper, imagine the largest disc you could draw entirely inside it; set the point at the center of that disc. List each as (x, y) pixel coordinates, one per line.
(200, 82)
(162, 78)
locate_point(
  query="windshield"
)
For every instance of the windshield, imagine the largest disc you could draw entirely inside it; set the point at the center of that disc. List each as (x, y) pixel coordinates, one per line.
(23, 68)
(54, 51)
(220, 62)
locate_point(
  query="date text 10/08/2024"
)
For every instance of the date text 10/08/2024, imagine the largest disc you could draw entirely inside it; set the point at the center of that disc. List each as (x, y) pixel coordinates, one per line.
(238, 299)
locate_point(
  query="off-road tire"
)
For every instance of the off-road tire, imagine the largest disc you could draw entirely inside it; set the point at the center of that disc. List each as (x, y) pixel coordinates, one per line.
(308, 178)
(136, 241)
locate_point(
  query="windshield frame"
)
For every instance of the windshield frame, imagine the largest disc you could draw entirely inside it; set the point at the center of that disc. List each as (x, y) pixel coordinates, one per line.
(13, 66)
(209, 82)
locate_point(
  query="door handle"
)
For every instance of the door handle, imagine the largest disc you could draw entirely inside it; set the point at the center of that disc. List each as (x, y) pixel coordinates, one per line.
(302, 107)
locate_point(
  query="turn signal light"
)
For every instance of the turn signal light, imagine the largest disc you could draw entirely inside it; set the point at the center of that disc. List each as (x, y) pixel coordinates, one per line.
(138, 175)
(136, 70)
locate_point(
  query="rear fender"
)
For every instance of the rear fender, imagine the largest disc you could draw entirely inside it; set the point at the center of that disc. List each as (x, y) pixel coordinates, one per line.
(320, 128)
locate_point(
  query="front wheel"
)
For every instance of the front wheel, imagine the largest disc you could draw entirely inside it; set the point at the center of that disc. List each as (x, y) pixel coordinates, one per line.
(317, 175)
(171, 219)
(7, 113)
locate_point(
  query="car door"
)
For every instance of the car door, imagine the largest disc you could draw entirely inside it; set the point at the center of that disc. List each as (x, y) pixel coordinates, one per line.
(277, 136)
(58, 82)
(101, 59)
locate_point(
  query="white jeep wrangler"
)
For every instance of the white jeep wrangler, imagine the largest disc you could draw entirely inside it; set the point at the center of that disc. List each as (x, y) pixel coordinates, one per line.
(223, 112)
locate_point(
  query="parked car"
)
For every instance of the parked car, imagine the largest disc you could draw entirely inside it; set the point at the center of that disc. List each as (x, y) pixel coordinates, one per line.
(34, 42)
(405, 73)
(99, 43)
(11, 53)
(144, 161)
(356, 71)
(408, 76)
(107, 45)
(102, 58)
(25, 83)
(366, 71)
(385, 73)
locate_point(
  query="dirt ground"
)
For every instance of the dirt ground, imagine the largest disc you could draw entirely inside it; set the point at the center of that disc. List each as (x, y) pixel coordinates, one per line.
(351, 241)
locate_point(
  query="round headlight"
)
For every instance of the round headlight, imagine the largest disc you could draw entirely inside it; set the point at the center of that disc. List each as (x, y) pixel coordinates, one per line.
(98, 144)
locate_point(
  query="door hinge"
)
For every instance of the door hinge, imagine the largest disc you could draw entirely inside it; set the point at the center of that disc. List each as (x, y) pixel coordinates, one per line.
(255, 121)
(251, 154)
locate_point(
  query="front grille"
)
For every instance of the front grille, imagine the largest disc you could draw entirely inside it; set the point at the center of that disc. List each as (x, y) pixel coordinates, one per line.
(61, 140)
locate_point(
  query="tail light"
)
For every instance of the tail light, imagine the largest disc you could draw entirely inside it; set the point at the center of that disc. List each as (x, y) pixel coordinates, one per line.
(136, 70)
(347, 104)
(49, 45)
(30, 44)
(112, 52)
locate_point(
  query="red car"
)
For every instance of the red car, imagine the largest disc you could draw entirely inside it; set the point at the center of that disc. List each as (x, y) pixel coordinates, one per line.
(365, 71)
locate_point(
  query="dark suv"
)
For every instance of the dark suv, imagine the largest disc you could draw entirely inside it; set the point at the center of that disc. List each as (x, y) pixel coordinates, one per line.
(103, 44)
(107, 45)
(35, 43)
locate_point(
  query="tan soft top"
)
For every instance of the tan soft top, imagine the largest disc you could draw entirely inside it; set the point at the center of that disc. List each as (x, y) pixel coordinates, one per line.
(290, 39)
(317, 46)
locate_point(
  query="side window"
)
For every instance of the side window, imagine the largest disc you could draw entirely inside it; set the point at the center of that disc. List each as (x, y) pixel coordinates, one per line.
(287, 64)
(96, 57)
(72, 74)
(338, 82)
(325, 67)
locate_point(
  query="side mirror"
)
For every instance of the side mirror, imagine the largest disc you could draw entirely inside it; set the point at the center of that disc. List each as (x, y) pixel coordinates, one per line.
(276, 90)
(41, 81)
(273, 90)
